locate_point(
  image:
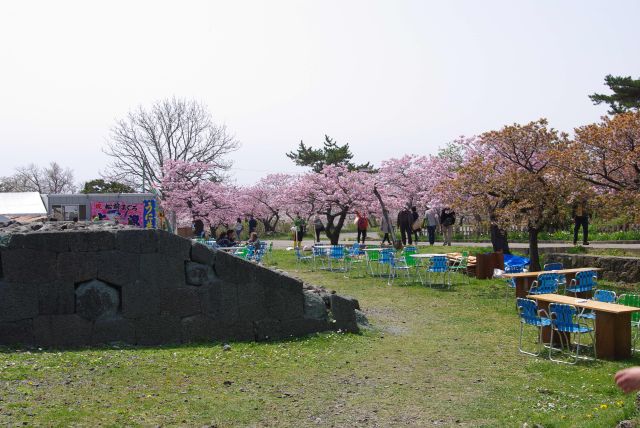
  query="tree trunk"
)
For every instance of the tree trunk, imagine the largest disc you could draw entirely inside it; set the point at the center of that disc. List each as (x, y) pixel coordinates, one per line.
(333, 231)
(499, 239)
(385, 214)
(534, 255)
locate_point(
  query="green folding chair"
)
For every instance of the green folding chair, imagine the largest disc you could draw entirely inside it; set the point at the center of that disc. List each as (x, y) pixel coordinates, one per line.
(632, 300)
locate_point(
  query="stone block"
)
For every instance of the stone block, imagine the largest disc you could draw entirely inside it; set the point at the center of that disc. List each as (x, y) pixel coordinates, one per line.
(200, 274)
(77, 267)
(113, 330)
(314, 306)
(17, 333)
(200, 253)
(343, 311)
(18, 301)
(140, 299)
(97, 300)
(62, 330)
(158, 330)
(239, 331)
(137, 241)
(220, 301)
(56, 242)
(284, 301)
(199, 328)
(268, 329)
(303, 327)
(162, 270)
(117, 267)
(251, 302)
(56, 298)
(181, 302)
(91, 240)
(174, 245)
(29, 266)
(234, 269)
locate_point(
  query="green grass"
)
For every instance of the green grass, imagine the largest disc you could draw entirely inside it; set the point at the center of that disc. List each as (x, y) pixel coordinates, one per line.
(434, 357)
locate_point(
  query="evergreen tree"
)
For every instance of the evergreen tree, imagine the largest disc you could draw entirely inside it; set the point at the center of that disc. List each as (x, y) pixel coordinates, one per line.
(101, 186)
(625, 97)
(330, 154)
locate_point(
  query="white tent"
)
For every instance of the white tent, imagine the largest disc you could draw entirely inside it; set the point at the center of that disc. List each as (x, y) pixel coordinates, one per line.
(21, 203)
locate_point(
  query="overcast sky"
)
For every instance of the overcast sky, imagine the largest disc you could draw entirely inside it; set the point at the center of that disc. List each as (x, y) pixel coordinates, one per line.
(388, 77)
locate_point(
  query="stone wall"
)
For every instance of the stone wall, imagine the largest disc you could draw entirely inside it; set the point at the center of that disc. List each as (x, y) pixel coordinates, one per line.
(623, 269)
(149, 287)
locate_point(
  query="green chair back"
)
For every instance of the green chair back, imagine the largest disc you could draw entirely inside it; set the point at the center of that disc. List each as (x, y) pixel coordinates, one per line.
(631, 300)
(373, 256)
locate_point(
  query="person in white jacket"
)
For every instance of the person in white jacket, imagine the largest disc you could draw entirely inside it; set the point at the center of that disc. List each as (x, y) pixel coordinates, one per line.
(431, 221)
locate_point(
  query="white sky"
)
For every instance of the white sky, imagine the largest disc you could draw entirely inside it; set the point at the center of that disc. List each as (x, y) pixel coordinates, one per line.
(389, 77)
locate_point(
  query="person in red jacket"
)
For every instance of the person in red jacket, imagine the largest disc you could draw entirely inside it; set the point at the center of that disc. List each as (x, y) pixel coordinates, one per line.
(362, 223)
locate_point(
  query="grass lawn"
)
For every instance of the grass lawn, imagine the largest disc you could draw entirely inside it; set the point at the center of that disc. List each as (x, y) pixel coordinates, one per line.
(434, 358)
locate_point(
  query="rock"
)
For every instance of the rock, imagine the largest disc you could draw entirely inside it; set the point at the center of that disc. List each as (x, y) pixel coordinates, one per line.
(117, 267)
(140, 299)
(314, 306)
(162, 270)
(343, 311)
(18, 332)
(158, 330)
(226, 347)
(626, 424)
(200, 274)
(138, 241)
(77, 267)
(97, 300)
(174, 245)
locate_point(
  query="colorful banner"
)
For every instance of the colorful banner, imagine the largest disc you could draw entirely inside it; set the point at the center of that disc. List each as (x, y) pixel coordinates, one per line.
(150, 214)
(123, 213)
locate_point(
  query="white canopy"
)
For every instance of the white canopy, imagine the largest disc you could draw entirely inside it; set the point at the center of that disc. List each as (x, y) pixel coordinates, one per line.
(21, 203)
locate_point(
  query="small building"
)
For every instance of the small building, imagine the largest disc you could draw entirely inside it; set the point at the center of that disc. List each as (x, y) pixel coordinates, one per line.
(137, 209)
(22, 205)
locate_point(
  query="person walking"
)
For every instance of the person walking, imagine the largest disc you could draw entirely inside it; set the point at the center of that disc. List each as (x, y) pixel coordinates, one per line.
(253, 224)
(416, 225)
(404, 221)
(318, 226)
(362, 223)
(580, 215)
(238, 228)
(447, 220)
(385, 227)
(431, 220)
(301, 226)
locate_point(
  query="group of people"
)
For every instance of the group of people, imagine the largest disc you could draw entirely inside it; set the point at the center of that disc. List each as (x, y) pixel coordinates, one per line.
(410, 225)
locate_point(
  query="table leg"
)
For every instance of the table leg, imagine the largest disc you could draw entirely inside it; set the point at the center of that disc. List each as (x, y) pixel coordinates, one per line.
(522, 286)
(613, 335)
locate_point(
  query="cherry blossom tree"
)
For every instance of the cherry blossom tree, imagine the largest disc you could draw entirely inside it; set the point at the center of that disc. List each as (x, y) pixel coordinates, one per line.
(606, 156)
(192, 198)
(512, 172)
(267, 199)
(334, 192)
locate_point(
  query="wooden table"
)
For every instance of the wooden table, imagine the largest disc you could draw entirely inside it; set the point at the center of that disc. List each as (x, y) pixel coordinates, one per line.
(524, 279)
(613, 324)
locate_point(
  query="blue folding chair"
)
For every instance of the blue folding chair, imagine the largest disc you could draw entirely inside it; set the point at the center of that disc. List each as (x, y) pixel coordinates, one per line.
(439, 264)
(320, 254)
(511, 282)
(532, 316)
(336, 255)
(605, 296)
(563, 323)
(562, 279)
(301, 259)
(546, 283)
(583, 282)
